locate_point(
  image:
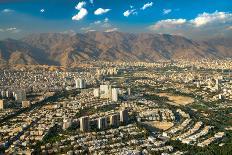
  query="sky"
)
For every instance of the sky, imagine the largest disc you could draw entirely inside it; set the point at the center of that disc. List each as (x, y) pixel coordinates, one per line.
(196, 19)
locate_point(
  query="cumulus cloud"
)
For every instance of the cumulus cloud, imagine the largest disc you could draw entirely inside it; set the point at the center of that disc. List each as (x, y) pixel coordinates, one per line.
(99, 25)
(81, 14)
(229, 28)
(10, 30)
(127, 13)
(92, 30)
(147, 5)
(101, 11)
(105, 21)
(80, 5)
(111, 30)
(42, 10)
(7, 11)
(207, 18)
(97, 22)
(168, 23)
(167, 11)
(82, 11)
(203, 25)
(69, 32)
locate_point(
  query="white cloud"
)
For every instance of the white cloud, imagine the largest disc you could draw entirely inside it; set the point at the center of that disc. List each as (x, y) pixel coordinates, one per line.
(106, 20)
(206, 18)
(11, 29)
(103, 22)
(147, 5)
(69, 32)
(85, 28)
(127, 13)
(42, 10)
(92, 30)
(7, 11)
(101, 11)
(97, 22)
(99, 25)
(168, 23)
(202, 26)
(80, 5)
(106, 25)
(81, 14)
(167, 11)
(111, 30)
(229, 28)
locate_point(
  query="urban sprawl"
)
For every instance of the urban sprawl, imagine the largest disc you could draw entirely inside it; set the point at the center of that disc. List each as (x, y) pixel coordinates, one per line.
(122, 108)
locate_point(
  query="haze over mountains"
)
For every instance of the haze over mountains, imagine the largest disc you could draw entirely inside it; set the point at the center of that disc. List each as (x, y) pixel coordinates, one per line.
(65, 49)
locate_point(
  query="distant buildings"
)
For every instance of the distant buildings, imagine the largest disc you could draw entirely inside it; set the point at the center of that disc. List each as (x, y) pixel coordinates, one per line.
(114, 120)
(3, 94)
(84, 124)
(105, 91)
(102, 123)
(66, 123)
(20, 96)
(9, 94)
(217, 84)
(80, 83)
(2, 104)
(96, 92)
(114, 94)
(124, 116)
(129, 91)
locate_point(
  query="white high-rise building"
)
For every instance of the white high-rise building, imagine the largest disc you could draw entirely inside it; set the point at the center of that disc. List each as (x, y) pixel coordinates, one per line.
(66, 123)
(114, 120)
(20, 96)
(114, 94)
(80, 83)
(198, 84)
(102, 123)
(84, 124)
(129, 91)
(96, 92)
(2, 104)
(9, 94)
(124, 116)
(217, 84)
(105, 91)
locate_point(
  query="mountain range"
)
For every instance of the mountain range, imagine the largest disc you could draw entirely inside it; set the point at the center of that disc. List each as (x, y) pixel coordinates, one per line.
(68, 50)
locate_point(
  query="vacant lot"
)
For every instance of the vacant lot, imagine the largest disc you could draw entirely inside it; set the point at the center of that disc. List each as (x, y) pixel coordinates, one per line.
(177, 100)
(160, 125)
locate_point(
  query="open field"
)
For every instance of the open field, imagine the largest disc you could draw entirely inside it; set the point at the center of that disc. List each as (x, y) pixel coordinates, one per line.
(162, 125)
(177, 100)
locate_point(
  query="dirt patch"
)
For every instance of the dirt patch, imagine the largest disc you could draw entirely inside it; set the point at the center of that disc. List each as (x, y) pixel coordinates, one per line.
(177, 100)
(160, 125)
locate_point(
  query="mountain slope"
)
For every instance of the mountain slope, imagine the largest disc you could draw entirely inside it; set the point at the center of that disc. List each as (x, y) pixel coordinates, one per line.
(67, 50)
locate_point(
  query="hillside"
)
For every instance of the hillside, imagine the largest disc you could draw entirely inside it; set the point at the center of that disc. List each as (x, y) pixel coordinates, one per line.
(64, 49)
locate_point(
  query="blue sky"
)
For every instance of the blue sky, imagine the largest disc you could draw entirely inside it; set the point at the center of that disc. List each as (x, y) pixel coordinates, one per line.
(197, 19)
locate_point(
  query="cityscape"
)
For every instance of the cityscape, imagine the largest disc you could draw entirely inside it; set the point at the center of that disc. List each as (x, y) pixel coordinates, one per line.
(115, 77)
(169, 107)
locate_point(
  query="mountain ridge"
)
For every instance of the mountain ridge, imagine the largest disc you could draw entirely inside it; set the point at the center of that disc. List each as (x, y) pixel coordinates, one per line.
(68, 50)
